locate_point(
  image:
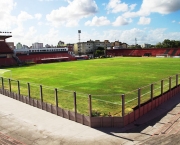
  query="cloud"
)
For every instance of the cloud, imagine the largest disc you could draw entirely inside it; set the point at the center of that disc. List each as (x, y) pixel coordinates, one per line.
(154, 6)
(6, 20)
(173, 21)
(144, 21)
(115, 6)
(101, 21)
(70, 15)
(132, 7)
(23, 16)
(121, 21)
(38, 16)
(46, 0)
(160, 6)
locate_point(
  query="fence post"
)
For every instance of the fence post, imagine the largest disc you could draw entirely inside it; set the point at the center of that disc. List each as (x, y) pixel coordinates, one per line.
(169, 83)
(152, 89)
(177, 80)
(41, 96)
(56, 100)
(123, 105)
(162, 85)
(9, 85)
(75, 106)
(19, 92)
(29, 91)
(139, 97)
(90, 106)
(2, 80)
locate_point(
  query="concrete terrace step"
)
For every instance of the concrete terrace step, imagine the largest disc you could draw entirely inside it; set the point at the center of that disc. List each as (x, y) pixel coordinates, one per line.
(175, 128)
(172, 139)
(5, 140)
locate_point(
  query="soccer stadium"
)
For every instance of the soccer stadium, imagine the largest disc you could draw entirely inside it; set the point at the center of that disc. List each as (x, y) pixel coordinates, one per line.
(126, 84)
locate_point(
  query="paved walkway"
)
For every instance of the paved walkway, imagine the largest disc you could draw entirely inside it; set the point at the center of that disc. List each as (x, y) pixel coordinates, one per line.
(24, 124)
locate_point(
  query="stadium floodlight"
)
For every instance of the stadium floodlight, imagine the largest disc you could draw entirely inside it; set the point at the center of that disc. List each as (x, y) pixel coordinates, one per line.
(79, 32)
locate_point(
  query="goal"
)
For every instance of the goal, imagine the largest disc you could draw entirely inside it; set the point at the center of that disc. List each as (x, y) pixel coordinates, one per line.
(162, 55)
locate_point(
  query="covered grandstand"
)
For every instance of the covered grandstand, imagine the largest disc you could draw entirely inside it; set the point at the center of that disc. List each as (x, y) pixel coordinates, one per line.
(144, 52)
(6, 53)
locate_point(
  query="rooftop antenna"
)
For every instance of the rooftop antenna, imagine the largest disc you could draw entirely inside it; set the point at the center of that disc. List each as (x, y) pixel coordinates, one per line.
(79, 32)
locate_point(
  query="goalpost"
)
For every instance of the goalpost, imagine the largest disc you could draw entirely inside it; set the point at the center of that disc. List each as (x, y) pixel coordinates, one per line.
(162, 55)
(8, 73)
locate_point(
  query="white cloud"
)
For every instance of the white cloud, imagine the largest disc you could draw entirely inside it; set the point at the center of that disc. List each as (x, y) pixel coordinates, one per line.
(40, 23)
(101, 21)
(46, 0)
(115, 6)
(70, 15)
(160, 6)
(154, 6)
(173, 21)
(25, 36)
(132, 7)
(121, 21)
(6, 20)
(24, 16)
(38, 16)
(144, 21)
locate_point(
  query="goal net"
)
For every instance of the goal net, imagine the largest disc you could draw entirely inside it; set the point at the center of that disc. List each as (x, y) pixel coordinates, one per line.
(5, 73)
(162, 55)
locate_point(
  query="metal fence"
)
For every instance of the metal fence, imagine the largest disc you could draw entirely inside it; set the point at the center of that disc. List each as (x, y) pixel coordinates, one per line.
(138, 97)
(95, 105)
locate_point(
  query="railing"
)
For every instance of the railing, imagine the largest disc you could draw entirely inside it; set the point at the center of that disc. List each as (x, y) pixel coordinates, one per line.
(102, 105)
(138, 97)
(93, 110)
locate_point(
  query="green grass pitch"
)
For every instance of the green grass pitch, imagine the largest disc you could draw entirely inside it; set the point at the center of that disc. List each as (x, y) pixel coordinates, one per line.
(104, 79)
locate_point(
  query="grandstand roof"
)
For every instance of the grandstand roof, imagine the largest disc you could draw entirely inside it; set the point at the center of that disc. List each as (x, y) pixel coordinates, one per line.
(3, 37)
(4, 48)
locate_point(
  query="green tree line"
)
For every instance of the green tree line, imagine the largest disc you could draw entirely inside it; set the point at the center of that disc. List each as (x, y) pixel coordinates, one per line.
(168, 44)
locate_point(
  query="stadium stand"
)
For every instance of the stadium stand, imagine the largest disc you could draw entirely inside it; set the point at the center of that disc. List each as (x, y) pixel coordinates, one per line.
(174, 52)
(4, 48)
(38, 58)
(144, 52)
(6, 53)
(7, 62)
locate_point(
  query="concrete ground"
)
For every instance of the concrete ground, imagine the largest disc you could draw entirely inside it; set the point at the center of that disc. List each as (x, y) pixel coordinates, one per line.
(24, 124)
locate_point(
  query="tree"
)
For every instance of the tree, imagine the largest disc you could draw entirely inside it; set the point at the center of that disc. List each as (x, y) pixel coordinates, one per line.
(99, 52)
(159, 45)
(167, 43)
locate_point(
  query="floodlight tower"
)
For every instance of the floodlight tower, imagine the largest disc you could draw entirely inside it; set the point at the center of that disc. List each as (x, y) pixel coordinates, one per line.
(79, 45)
(79, 32)
(135, 41)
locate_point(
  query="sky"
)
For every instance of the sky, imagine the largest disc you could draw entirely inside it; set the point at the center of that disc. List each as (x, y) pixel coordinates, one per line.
(50, 21)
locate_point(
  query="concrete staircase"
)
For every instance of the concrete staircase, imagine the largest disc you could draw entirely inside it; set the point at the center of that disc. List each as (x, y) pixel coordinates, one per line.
(166, 131)
(5, 140)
